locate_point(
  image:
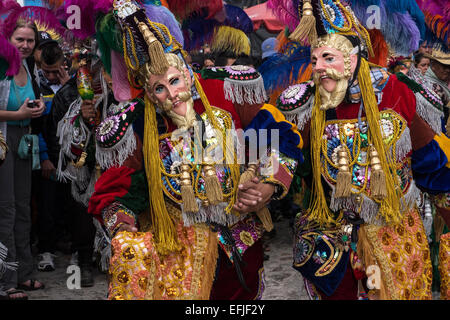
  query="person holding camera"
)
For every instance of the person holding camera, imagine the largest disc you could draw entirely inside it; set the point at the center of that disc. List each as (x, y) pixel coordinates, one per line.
(20, 103)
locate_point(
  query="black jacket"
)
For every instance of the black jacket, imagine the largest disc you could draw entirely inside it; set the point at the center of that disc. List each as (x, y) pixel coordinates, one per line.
(61, 103)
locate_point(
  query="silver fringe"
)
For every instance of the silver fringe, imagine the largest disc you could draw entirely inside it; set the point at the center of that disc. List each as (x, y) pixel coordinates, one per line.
(403, 145)
(251, 91)
(302, 115)
(368, 209)
(4, 266)
(429, 113)
(210, 214)
(102, 246)
(116, 155)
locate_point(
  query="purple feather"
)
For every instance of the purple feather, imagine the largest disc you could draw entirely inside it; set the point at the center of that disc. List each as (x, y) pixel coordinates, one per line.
(103, 6)
(401, 32)
(87, 23)
(162, 15)
(11, 55)
(8, 5)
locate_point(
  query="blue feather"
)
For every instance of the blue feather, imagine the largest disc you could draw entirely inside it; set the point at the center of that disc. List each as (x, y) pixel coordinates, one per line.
(237, 18)
(282, 69)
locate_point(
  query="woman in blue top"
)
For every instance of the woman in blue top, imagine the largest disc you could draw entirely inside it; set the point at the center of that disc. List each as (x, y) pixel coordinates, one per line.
(15, 173)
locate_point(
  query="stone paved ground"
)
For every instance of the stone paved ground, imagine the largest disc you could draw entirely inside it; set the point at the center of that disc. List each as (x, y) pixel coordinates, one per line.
(282, 281)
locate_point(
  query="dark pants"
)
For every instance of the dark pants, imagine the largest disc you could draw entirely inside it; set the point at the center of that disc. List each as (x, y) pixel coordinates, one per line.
(83, 233)
(15, 215)
(55, 208)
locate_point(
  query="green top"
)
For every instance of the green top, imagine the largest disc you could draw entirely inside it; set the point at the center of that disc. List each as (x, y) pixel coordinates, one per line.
(17, 92)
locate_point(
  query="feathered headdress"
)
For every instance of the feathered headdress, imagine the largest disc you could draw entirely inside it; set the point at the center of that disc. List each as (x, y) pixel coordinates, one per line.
(226, 31)
(437, 19)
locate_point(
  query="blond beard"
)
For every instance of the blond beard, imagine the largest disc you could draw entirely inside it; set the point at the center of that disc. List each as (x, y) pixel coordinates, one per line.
(330, 100)
(182, 122)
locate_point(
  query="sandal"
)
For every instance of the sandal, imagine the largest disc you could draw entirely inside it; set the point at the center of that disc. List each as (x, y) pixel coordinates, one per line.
(13, 291)
(31, 286)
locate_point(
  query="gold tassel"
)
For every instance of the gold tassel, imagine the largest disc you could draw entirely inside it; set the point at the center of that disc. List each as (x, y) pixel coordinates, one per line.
(158, 62)
(234, 167)
(264, 213)
(98, 171)
(213, 188)
(187, 191)
(306, 29)
(80, 163)
(344, 176)
(266, 218)
(318, 209)
(377, 176)
(390, 204)
(163, 225)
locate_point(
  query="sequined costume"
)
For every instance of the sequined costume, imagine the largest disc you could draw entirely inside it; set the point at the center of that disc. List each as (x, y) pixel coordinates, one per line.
(185, 249)
(401, 251)
(370, 150)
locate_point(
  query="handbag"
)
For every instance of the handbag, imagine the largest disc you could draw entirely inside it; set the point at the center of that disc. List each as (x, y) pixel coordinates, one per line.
(3, 147)
(29, 149)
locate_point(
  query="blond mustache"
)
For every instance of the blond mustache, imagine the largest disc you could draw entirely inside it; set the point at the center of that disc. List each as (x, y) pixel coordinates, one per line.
(330, 73)
(184, 96)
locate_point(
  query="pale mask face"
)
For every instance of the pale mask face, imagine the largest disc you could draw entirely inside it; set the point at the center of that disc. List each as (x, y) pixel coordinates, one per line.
(324, 58)
(331, 72)
(172, 93)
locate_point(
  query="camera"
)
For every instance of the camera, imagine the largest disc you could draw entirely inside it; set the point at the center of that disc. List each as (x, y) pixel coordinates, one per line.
(32, 104)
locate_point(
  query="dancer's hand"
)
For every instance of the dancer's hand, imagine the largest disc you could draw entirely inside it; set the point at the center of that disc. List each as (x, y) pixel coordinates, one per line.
(253, 196)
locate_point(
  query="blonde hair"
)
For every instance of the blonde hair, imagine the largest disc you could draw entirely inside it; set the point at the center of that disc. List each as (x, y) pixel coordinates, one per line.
(22, 23)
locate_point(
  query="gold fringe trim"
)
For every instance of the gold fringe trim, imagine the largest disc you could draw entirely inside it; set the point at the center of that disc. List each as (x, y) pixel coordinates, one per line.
(209, 266)
(370, 254)
(229, 150)
(163, 225)
(319, 210)
(390, 205)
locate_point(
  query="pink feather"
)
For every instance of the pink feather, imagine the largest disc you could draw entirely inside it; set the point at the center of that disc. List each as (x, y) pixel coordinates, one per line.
(285, 11)
(11, 55)
(121, 86)
(32, 13)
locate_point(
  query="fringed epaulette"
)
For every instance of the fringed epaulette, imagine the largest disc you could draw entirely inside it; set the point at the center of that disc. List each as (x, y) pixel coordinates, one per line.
(428, 105)
(296, 103)
(242, 84)
(114, 136)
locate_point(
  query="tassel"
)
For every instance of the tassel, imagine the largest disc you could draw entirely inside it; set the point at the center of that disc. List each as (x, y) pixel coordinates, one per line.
(158, 62)
(344, 177)
(377, 177)
(266, 218)
(213, 188)
(305, 32)
(80, 163)
(187, 191)
(98, 171)
(264, 213)
(248, 174)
